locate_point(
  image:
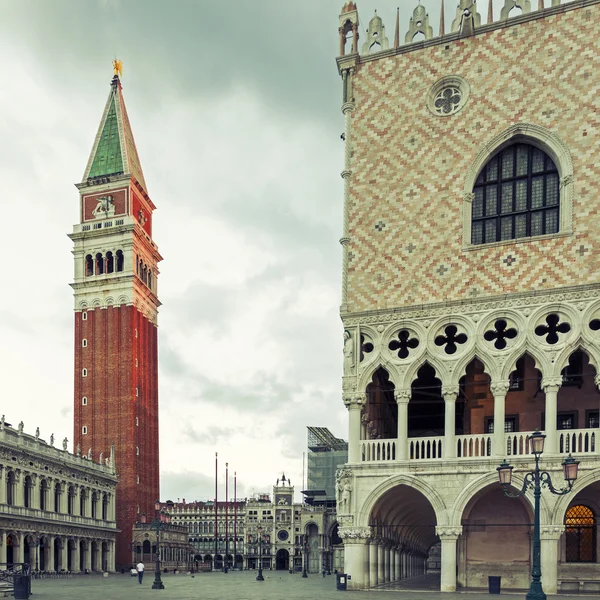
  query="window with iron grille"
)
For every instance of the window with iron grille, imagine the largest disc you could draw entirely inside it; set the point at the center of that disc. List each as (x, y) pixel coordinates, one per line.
(516, 196)
(580, 534)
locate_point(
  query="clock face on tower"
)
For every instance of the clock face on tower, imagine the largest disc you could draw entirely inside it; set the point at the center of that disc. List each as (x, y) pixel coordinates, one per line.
(282, 535)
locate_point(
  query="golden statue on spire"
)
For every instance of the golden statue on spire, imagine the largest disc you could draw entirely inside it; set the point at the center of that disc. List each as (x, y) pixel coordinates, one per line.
(118, 67)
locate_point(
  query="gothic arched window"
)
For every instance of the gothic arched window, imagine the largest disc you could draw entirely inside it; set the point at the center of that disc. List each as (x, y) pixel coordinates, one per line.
(516, 196)
(580, 534)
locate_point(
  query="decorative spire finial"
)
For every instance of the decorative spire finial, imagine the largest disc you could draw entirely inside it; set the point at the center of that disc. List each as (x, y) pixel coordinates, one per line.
(491, 12)
(118, 67)
(540, 4)
(397, 34)
(442, 21)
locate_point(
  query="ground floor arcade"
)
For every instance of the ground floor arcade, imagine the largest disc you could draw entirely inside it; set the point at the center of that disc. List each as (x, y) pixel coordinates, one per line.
(57, 551)
(478, 531)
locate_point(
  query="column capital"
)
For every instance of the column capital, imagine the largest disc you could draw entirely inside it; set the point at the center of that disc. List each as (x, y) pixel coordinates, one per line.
(354, 401)
(402, 396)
(551, 384)
(355, 535)
(551, 532)
(448, 533)
(348, 107)
(499, 388)
(450, 392)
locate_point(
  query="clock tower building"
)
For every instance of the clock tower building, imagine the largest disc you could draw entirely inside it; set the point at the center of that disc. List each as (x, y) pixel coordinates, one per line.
(116, 304)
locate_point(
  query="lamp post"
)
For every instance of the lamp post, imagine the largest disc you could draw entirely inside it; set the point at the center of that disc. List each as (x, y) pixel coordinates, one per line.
(260, 577)
(330, 560)
(304, 573)
(536, 480)
(161, 520)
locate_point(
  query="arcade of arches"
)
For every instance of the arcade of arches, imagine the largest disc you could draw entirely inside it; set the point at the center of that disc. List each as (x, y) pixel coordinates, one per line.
(441, 446)
(56, 508)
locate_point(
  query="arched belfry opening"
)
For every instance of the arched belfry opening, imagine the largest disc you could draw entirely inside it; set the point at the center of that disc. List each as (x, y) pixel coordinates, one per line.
(426, 409)
(380, 419)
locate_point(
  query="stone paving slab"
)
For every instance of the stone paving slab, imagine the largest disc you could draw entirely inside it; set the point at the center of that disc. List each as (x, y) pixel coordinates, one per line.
(233, 586)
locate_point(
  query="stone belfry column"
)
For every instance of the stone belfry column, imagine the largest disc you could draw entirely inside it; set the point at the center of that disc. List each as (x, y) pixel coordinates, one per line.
(354, 403)
(402, 399)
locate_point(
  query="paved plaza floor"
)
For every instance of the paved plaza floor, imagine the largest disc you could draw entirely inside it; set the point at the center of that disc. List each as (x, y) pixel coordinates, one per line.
(233, 586)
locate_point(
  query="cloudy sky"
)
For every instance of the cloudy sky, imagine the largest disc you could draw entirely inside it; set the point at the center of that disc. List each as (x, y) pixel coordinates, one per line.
(235, 107)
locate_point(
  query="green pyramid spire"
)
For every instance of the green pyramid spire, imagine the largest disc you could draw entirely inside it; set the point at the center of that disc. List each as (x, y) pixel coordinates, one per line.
(114, 151)
(108, 159)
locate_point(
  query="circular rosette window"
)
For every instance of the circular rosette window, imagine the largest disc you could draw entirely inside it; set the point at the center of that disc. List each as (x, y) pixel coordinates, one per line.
(553, 328)
(366, 347)
(283, 535)
(448, 96)
(501, 333)
(451, 340)
(403, 344)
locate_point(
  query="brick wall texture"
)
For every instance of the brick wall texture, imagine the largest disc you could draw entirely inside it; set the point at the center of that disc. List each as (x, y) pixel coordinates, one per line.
(408, 165)
(121, 357)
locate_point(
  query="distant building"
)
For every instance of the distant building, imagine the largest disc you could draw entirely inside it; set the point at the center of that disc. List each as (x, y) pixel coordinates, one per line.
(273, 531)
(57, 509)
(325, 454)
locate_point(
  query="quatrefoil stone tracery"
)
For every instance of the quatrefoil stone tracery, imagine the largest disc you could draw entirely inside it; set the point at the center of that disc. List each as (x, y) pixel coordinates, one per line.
(404, 344)
(500, 334)
(451, 339)
(552, 328)
(365, 347)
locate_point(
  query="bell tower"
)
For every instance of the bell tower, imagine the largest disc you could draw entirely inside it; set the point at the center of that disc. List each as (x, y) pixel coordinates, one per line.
(116, 305)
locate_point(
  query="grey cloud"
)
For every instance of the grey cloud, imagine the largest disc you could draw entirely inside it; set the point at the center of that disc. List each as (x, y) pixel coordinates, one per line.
(188, 484)
(211, 436)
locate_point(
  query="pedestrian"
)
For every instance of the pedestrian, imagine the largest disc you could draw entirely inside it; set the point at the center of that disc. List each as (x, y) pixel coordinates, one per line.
(324, 571)
(140, 571)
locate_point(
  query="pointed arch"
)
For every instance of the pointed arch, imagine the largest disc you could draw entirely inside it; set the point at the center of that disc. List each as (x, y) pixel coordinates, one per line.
(580, 345)
(411, 373)
(460, 369)
(540, 364)
(547, 141)
(367, 375)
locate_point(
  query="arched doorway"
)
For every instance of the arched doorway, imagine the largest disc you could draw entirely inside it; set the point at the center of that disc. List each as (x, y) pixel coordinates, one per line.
(10, 549)
(314, 554)
(337, 550)
(208, 562)
(403, 522)
(239, 562)
(496, 540)
(146, 551)
(218, 562)
(282, 560)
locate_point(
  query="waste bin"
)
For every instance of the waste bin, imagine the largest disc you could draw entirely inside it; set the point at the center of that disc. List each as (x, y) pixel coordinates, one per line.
(22, 586)
(341, 581)
(494, 584)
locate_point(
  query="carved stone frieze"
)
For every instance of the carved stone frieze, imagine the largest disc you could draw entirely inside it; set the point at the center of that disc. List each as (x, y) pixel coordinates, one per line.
(448, 532)
(355, 534)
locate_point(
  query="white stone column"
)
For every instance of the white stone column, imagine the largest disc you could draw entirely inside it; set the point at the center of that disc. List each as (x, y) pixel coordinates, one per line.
(64, 554)
(373, 564)
(380, 562)
(450, 394)
(20, 553)
(387, 553)
(402, 399)
(75, 557)
(2, 546)
(356, 555)
(88, 555)
(393, 564)
(549, 537)
(398, 565)
(499, 390)
(50, 566)
(448, 537)
(111, 556)
(354, 403)
(551, 385)
(19, 483)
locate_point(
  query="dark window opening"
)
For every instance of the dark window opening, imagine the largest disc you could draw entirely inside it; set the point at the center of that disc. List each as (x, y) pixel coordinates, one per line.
(517, 377)
(580, 534)
(89, 265)
(572, 374)
(516, 196)
(110, 262)
(119, 260)
(99, 264)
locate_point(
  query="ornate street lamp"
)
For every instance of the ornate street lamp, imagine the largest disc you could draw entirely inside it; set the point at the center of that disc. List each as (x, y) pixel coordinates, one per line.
(304, 573)
(535, 480)
(260, 577)
(161, 520)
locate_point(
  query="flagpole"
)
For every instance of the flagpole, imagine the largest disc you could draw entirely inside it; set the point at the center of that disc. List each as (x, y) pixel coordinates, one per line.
(216, 507)
(226, 515)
